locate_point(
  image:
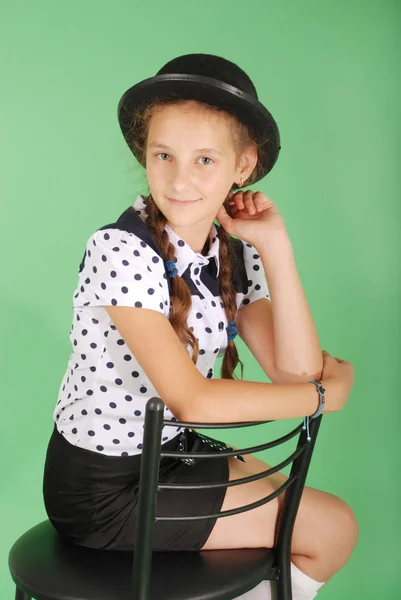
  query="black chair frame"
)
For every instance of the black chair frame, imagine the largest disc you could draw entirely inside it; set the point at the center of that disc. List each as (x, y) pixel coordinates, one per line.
(149, 486)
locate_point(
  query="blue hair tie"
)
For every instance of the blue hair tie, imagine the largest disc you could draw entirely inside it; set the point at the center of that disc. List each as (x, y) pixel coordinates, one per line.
(231, 330)
(171, 268)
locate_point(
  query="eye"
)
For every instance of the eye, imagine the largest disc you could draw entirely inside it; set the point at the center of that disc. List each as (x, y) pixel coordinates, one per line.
(165, 154)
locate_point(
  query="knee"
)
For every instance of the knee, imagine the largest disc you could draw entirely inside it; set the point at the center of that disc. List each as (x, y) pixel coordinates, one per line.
(345, 524)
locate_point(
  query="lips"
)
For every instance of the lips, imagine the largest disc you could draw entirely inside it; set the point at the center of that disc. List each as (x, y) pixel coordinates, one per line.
(182, 202)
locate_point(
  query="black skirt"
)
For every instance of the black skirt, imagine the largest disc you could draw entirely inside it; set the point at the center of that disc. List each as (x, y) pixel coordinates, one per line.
(91, 499)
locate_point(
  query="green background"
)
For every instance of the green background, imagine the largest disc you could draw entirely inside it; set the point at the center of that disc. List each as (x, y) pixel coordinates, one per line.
(329, 73)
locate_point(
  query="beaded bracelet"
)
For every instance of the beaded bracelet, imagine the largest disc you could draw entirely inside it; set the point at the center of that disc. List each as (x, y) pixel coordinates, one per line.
(322, 400)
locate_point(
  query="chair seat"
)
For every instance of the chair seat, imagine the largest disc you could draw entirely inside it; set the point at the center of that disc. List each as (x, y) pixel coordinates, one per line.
(47, 568)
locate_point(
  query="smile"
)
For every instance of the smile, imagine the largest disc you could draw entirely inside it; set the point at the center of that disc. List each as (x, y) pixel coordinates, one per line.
(182, 202)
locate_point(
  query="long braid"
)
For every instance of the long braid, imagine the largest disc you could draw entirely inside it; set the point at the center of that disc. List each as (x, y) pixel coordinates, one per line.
(181, 301)
(228, 297)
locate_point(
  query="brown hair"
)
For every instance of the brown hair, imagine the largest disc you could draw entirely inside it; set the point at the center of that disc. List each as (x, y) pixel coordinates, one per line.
(155, 220)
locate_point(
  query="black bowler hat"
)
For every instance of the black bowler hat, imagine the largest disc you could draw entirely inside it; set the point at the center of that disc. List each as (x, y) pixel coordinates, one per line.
(212, 79)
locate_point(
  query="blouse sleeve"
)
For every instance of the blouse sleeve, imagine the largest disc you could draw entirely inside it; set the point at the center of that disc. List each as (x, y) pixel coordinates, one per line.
(121, 270)
(257, 283)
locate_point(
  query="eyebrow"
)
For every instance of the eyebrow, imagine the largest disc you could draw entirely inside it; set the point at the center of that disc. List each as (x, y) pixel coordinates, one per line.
(157, 145)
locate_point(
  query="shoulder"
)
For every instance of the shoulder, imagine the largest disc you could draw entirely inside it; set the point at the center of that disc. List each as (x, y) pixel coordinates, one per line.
(128, 238)
(121, 266)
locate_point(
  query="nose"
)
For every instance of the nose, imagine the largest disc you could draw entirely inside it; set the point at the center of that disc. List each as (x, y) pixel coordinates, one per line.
(180, 182)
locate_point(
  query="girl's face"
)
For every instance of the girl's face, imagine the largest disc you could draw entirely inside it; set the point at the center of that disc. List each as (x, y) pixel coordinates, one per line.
(190, 157)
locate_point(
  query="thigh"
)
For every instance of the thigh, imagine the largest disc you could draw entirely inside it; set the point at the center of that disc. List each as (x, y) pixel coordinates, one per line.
(250, 529)
(323, 519)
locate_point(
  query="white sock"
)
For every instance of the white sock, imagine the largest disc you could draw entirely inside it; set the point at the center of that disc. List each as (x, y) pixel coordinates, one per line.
(303, 588)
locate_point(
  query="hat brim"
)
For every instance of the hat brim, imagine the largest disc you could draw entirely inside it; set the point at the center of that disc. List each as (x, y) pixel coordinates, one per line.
(213, 91)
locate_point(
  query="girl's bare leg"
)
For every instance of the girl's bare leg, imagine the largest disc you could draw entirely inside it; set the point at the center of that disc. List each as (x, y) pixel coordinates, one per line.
(325, 530)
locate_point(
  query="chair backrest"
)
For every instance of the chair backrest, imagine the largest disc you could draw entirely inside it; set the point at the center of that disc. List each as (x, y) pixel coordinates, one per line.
(149, 486)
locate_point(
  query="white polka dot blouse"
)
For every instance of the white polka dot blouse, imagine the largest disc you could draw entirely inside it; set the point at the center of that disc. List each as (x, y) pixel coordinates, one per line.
(103, 394)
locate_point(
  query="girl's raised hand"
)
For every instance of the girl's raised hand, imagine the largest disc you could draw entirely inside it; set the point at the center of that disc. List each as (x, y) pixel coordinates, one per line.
(250, 216)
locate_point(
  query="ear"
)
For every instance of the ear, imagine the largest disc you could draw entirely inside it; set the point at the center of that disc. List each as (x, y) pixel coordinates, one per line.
(248, 161)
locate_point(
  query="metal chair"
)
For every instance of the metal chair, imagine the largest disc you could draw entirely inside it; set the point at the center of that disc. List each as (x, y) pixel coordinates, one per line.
(45, 567)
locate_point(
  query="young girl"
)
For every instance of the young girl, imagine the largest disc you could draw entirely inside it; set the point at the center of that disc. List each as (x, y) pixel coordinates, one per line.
(162, 292)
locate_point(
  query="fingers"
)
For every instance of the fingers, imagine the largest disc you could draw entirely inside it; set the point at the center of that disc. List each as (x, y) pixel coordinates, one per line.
(249, 202)
(245, 200)
(339, 360)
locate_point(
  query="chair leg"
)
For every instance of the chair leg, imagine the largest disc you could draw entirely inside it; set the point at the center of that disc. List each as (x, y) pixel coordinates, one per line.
(20, 595)
(282, 589)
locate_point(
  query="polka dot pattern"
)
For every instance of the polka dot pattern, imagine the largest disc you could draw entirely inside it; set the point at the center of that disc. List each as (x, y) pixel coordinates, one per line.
(116, 273)
(103, 394)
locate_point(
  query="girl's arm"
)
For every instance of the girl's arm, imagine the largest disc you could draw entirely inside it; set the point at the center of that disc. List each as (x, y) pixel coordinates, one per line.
(192, 397)
(281, 333)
